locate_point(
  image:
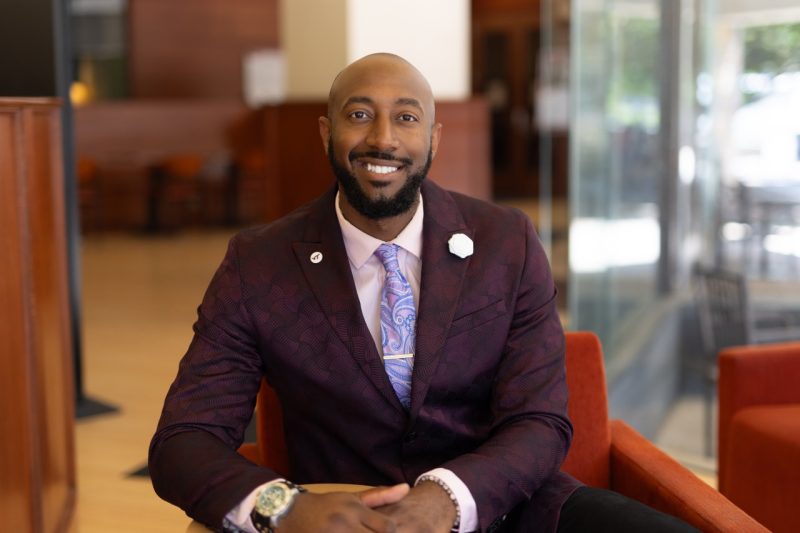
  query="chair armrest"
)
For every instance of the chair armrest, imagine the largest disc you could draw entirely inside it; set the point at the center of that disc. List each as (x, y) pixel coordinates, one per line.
(641, 471)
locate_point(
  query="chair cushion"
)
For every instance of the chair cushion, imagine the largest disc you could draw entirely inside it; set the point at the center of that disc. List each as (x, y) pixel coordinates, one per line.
(763, 464)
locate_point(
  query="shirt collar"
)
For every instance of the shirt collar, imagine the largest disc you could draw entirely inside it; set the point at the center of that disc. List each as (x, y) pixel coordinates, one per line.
(360, 246)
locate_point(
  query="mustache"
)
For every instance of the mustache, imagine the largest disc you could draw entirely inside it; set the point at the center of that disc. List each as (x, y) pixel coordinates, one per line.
(385, 156)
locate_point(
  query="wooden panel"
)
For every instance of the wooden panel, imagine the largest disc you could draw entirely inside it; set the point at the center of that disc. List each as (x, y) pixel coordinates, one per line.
(137, 132)
(181, 49)
(505, 57)
(34, 320)
(502, 65)
(491, 7)
(49, 326)
(300, 171)
(462, 163)
(18, 490)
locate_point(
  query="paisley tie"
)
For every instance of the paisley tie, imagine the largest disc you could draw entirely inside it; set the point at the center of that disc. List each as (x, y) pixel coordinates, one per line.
(398, 324)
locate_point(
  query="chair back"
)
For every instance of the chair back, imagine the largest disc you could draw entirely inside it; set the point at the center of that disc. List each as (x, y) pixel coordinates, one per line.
(588, 457)
(722, 307)
(272, 449)
(183, 166)
(587, 460)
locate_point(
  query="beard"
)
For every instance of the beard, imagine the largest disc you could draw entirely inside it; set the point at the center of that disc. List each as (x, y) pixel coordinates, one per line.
(381, 207)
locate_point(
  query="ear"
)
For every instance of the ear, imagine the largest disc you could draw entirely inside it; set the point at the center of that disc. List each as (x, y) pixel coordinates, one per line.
(436, 134)
(325, 132)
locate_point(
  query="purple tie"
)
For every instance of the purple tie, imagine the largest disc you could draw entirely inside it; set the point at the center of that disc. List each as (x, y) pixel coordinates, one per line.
(398, 324)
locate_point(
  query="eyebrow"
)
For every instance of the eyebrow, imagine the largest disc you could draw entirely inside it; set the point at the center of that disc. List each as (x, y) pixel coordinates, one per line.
(400, 101)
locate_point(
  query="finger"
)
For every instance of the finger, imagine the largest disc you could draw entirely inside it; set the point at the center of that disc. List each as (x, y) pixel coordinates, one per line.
(377, 522)
(378, 496)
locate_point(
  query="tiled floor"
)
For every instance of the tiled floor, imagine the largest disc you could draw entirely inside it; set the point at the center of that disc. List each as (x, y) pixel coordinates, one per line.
(139, 300)
(683, 436)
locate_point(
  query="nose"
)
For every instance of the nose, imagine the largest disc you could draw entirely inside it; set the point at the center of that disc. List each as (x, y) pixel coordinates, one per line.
(382, 135)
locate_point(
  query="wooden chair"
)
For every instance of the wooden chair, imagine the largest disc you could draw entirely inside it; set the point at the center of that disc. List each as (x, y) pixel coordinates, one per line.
(607, 454)
(176, 190)
(759, 432)
(89, 197)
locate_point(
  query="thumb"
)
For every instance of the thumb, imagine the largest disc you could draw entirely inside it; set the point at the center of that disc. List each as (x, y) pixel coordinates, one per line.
(378, 496)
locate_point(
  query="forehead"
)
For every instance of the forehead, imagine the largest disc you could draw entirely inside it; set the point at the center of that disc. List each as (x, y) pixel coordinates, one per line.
(381, 82)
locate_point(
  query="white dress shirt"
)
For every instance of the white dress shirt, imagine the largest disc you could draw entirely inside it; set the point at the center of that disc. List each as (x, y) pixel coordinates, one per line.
(368, 275)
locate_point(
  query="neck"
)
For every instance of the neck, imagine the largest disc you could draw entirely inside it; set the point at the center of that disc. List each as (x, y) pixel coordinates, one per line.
(384, 229)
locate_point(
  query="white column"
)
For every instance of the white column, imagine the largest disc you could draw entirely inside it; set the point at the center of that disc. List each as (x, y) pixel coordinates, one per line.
(313, 35)
(320, 37)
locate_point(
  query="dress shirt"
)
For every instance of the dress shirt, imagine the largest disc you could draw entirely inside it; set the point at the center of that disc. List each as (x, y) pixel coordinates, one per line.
(368, 275)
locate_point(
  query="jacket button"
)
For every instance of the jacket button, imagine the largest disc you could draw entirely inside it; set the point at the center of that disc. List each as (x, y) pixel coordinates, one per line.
(410, 437)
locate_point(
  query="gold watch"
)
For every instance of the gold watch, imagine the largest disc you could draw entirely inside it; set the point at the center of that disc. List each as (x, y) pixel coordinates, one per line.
(272, 503)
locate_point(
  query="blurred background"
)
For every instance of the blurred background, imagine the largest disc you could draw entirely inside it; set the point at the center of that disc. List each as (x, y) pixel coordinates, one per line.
(655, 144)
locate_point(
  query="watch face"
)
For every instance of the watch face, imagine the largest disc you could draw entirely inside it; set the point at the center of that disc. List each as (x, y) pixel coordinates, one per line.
(273, 500)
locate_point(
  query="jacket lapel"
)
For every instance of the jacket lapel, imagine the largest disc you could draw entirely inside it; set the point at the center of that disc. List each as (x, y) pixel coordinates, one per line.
(323, 259)
(442, 277)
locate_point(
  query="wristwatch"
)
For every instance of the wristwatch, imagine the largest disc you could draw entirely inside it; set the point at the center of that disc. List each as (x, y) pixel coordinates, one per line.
(272, 503)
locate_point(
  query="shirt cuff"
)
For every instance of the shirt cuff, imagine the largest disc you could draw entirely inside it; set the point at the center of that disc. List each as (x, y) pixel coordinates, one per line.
(238, 518)
(466, 503)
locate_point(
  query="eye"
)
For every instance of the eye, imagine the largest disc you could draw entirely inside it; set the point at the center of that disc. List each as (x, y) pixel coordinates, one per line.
(359, 115)
(408, 117)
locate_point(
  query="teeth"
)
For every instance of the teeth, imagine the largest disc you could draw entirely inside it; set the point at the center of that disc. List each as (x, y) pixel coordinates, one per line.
(380, 169)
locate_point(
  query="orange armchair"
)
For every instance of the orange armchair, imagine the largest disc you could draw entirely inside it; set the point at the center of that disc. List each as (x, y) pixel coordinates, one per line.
(603, 454)
(759, 432)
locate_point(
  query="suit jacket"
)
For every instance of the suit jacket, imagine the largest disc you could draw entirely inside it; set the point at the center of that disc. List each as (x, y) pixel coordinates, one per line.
(488, 397)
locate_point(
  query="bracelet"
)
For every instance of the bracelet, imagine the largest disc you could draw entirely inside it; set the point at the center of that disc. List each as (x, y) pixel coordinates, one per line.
(449, 491)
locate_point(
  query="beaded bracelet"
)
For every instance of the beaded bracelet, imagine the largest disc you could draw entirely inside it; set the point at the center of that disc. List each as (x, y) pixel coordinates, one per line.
(449, 491)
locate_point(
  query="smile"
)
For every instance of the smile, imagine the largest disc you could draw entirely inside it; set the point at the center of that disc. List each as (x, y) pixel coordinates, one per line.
(380, 169)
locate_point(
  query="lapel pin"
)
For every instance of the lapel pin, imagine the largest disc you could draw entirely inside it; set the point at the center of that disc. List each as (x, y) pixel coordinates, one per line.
(461, 245)
(316, 257)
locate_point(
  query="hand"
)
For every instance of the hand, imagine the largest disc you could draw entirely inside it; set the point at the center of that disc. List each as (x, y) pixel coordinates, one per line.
(342, 511)
(426, 509)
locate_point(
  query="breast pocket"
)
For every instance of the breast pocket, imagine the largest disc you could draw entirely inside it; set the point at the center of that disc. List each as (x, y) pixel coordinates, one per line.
(476, 318)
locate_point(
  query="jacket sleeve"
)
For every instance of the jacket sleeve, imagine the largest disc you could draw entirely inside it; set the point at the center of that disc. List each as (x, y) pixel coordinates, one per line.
(193, 460)
(530, 432)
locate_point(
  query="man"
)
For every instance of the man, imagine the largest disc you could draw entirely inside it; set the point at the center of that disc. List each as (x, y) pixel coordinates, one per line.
(410, 333)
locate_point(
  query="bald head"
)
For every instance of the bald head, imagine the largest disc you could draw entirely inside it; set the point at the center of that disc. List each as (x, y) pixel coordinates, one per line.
(375, 70)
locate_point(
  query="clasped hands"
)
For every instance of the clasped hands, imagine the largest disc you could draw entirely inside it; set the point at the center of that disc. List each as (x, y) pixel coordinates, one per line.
(425, 508)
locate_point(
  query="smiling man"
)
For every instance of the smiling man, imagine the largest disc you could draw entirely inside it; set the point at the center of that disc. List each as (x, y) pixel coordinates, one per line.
(380, 136)
(411, 335)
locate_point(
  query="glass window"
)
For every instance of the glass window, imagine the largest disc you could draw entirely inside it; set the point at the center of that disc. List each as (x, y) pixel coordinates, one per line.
(761, 220)
(614, 240)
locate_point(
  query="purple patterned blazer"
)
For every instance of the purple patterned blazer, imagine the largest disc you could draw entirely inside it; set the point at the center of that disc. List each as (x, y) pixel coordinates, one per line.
(488, 399)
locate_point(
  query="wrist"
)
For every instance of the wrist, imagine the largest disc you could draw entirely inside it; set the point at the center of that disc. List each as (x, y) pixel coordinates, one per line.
(273, 503)
(295, 514)
(446, 495)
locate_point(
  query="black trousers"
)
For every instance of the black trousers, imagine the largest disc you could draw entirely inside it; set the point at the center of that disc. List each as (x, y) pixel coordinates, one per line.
(592, 510)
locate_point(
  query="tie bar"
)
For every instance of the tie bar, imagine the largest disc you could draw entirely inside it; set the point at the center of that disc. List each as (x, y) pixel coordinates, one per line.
(399, 356)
